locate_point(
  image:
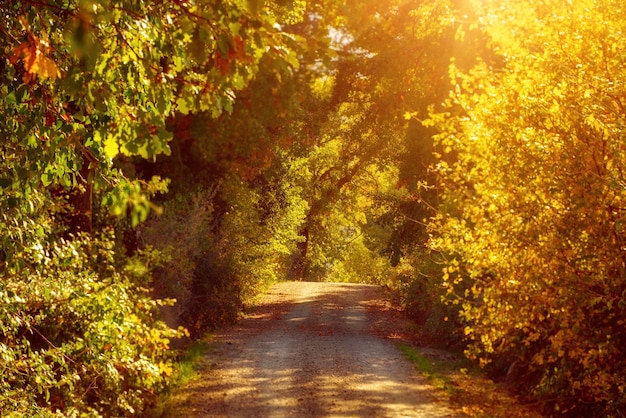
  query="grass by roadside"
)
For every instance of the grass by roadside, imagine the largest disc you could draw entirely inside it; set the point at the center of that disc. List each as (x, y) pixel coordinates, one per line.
(185, 371)
(435, 371)
(465, 386)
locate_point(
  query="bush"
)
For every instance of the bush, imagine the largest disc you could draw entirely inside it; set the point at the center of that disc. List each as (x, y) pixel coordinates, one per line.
(216, 296)
(534, 206)
(223, 247)
(358, 264)
(182, 233)
(78, 334)
(418, 280)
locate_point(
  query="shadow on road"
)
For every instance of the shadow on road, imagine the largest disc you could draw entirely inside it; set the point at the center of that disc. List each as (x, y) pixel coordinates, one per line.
(307, 352)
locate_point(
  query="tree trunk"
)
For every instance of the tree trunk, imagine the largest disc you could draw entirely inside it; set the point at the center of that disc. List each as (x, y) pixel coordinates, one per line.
(298, 270)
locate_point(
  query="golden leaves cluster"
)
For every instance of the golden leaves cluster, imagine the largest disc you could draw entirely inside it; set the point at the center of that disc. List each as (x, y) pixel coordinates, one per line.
(34, 54)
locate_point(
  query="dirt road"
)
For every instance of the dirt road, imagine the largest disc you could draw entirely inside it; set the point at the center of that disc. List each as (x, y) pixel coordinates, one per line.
(313, 350)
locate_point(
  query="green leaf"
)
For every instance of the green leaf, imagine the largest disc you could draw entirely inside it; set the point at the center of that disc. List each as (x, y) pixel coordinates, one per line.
(183, 105)
(224, 44)
(46, 179)
(238, 81)
(10, 98)
(97, 137)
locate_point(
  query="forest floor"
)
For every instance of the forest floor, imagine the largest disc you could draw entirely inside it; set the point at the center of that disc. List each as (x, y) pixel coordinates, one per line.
(333, 349)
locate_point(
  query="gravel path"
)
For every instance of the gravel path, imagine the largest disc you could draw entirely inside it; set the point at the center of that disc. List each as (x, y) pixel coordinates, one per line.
(313, 350)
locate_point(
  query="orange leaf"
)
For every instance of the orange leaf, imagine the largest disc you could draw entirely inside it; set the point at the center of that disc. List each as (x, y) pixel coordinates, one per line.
(44, 67)
(35, 61)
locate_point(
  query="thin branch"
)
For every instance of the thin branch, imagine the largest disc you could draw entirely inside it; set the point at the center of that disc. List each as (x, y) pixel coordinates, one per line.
(119, 32)
(408, 218)
(49, 6)
(196, 16)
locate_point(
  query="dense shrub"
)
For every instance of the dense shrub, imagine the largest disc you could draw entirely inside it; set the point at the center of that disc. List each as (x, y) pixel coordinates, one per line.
(78, 334)
(182, 233)
(418, 281)
(358, 264)
(535, 204)
(218, 260)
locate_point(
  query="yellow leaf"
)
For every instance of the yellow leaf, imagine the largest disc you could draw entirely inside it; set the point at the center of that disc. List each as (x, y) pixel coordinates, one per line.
(111, 147)
(165, 369)
(460, 34)
(44, 67)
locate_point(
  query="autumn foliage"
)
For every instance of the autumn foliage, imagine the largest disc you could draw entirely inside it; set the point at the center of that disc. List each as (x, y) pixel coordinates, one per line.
(87, 89)
(467, 155)
(532, 221)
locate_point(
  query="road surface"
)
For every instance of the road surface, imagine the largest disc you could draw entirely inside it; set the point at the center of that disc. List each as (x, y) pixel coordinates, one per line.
(311, 350)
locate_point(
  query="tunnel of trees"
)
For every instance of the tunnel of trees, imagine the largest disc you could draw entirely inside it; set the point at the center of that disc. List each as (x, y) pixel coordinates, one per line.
(164, 162)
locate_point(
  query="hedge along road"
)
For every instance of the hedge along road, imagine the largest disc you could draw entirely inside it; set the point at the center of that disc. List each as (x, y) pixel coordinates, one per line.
(310, 350)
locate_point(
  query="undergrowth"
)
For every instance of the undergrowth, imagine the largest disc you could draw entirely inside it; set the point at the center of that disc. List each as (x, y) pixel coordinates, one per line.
(433, 370)
(467, 387)
(186, 369)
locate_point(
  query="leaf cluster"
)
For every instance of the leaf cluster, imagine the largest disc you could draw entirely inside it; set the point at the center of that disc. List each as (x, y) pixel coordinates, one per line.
(534, 204)
(86, 87)
(78, 329)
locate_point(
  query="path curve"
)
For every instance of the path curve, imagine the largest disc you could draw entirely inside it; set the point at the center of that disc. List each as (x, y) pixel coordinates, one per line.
(309, 350)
